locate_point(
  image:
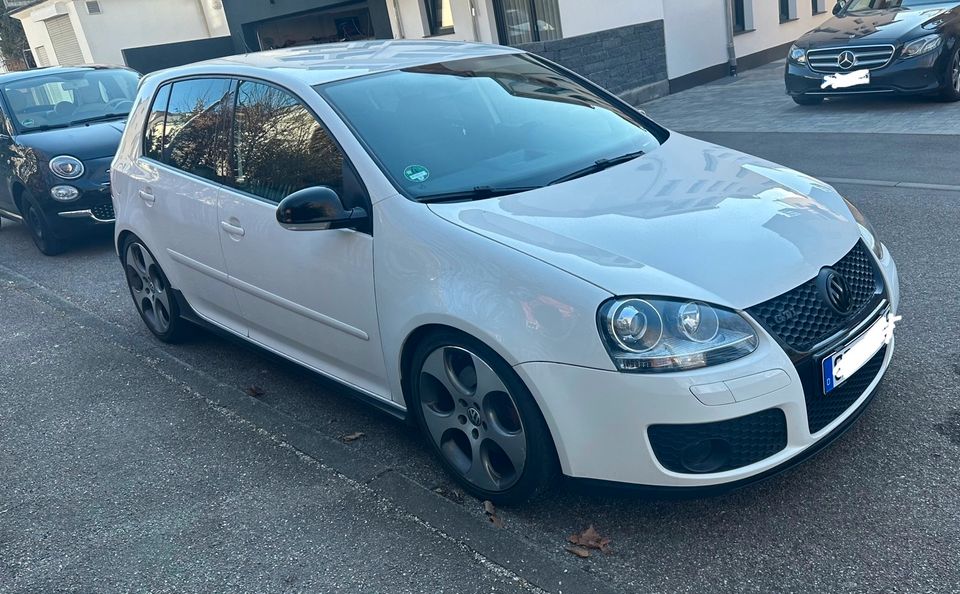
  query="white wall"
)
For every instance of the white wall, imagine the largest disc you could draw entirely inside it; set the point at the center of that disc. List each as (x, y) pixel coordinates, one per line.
(578, 17)
(125, 24)
(770, 32)
(416, 25)
(696, 35)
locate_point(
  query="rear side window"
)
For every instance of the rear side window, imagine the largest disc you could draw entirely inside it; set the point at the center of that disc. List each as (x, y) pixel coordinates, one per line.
(279, 146)
(194, 125)
(153, 136)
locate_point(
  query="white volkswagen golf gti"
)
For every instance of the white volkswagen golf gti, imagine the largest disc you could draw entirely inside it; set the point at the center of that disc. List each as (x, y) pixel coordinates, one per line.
(535, 273)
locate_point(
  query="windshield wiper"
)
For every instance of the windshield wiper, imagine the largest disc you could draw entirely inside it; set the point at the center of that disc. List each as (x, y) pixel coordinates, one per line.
(108, 116)
(598, 166)
(477, 193)
(44, 128)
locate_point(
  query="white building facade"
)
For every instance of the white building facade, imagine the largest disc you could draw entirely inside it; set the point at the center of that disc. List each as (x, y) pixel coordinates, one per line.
(71, 32)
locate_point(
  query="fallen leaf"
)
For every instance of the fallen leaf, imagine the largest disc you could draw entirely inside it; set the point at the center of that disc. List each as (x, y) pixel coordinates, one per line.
(454, 495)
(590, 539)
(578, 551)
(255, 391)
(491, 512)
(352, 437)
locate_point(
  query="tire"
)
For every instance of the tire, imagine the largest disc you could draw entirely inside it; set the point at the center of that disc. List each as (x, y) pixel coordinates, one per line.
(951, 84)
(152, 294)
(42, 234)
(481, 420)
(806, 100)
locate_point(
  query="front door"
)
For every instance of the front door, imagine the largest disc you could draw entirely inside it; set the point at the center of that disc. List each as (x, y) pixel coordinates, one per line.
(308, 295)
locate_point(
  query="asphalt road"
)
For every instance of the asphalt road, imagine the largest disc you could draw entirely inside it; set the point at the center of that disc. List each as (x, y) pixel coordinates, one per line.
(127, 464)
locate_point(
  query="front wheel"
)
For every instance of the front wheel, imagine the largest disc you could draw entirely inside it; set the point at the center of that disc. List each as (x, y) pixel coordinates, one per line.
(152, 293)
(807, 100)
(951, 83)
(41, 232)
(482, 421)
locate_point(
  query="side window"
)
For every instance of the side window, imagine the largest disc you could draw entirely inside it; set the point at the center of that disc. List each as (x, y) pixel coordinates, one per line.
(153, 135)
(193, 135)
(279, 147)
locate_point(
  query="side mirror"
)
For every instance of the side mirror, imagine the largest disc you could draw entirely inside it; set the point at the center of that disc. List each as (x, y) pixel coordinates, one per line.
(317, 209)
(838, 7)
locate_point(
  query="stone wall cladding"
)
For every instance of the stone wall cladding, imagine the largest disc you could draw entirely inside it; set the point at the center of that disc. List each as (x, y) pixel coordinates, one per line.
(630, 61)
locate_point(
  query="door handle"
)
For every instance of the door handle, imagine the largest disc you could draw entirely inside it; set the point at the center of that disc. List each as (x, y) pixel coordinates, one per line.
(232, 229)
(147, 196)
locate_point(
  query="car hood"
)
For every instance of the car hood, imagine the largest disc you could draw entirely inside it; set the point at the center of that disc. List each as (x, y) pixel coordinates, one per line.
(690, 220)
(880, 26)
(89, 141)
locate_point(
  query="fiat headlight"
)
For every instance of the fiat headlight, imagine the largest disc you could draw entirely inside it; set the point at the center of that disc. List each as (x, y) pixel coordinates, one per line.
(867, 232)
(797, 55)
(66, 167)
(921, 46)
(652, 335)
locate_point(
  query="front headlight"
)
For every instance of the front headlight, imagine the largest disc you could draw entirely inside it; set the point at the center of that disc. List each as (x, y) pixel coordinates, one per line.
(867, 232)
(921, 46)
(66, 167)
(651, 335)
(797, 55)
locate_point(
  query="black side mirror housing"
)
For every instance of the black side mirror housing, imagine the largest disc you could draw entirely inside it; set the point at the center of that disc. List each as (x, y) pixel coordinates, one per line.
(317, 209)
(838, 7)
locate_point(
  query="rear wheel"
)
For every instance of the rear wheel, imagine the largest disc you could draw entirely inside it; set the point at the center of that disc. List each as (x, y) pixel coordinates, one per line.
(807, 100)
(482, 421)
(41, 232)
(152, 293)
(951, 79)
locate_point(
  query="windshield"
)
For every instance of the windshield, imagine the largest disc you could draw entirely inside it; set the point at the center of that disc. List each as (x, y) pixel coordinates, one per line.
(484, 124)
(856, 5)
(65, 99)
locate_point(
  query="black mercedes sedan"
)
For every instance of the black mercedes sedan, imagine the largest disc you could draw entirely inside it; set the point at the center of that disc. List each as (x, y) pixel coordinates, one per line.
(59, 130)
(906, 47)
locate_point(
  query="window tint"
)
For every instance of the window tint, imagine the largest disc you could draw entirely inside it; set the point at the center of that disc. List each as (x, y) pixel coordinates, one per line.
(153, 137)
(279, 146)
(193, 139)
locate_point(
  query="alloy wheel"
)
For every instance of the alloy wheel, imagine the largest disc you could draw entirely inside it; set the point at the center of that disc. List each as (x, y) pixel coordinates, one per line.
(472, 418)
(148, 287)
(955, 72)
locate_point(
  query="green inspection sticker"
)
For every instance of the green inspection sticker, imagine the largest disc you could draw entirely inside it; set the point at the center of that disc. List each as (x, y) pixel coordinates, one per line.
(417, 173)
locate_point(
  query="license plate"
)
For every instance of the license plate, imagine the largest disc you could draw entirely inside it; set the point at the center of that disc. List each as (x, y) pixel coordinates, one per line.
(838, 367)
(845, 80)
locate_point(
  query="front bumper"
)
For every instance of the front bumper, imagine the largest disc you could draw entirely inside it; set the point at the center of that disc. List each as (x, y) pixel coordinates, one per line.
(601, 420)
(913, 76)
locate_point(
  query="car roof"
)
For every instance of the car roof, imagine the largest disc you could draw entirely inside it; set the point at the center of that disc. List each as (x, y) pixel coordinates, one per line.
(318, 64)
(8, 77)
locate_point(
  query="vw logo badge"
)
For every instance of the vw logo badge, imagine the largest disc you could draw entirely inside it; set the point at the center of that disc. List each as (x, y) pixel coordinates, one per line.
(474, 415)
(835, 291)
(847, 60)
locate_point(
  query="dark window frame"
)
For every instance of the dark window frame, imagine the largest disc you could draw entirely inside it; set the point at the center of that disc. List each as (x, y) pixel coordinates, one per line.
(499, 13)
(434, 18)
(739, 16)
(785, 15)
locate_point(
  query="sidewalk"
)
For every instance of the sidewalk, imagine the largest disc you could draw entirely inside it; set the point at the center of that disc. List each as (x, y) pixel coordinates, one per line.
(756, 101)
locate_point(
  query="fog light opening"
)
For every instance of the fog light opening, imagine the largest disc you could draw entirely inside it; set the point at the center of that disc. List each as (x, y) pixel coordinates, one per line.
(706, 455)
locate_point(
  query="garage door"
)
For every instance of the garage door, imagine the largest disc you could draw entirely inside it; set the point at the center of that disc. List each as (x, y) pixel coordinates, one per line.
(64, 40)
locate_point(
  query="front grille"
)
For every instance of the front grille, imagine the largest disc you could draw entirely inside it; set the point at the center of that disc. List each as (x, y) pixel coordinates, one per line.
(870, 57)
(723, 445)
(801, 318)
(822, 408)
(104, 212)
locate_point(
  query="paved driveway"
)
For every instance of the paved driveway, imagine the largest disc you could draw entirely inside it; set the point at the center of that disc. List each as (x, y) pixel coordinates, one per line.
(757, 101)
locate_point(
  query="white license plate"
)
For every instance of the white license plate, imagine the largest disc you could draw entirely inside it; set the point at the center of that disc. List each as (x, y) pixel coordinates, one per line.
(845, 80)
(838, 367)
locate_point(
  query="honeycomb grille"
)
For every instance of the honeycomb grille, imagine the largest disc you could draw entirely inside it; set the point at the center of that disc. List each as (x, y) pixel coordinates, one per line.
(822, 408)
(801, 318)
(103, 212)
(748, 440)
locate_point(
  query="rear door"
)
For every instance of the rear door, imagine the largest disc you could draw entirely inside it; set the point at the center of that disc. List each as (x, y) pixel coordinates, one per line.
(184, 162)
(308, 295)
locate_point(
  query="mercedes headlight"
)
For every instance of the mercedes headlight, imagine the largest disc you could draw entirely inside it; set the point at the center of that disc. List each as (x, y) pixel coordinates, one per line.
(66, 167)
(921, 46)
(797, 55)
(867, 231)
(652, 335)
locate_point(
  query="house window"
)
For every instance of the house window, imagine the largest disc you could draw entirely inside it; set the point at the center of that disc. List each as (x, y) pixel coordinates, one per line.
(526, 21)
(440, 17)
(819, 6)
(739, 16)
(93, 7)
(788, 10)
